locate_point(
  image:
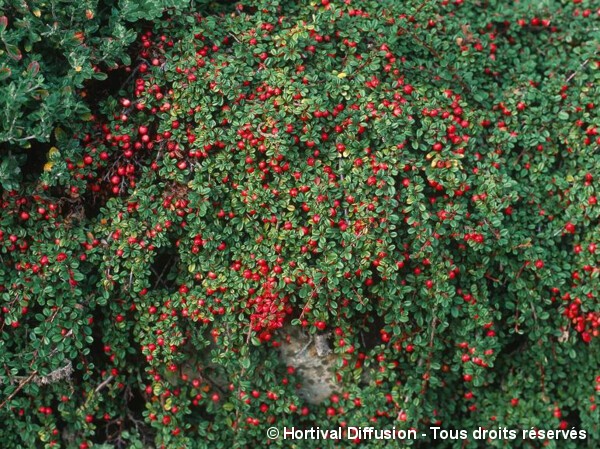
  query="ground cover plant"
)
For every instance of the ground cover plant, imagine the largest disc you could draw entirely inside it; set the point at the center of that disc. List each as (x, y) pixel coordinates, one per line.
(414, 183)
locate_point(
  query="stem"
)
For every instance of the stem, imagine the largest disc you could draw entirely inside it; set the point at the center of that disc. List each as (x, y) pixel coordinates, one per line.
(19, 388)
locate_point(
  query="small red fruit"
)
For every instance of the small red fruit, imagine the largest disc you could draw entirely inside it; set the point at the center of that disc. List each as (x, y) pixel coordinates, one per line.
(570, 228)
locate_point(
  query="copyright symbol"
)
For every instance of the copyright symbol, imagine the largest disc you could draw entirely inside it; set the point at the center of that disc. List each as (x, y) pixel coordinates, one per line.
(272, 433)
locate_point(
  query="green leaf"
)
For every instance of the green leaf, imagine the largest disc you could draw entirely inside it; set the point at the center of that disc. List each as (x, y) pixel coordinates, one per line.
(14, 52)
(100, 76)
(33, 68)
(5, 72)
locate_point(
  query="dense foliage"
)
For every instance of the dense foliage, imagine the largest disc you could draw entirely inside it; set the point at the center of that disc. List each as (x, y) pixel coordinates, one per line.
(416, 180)
(48, 51)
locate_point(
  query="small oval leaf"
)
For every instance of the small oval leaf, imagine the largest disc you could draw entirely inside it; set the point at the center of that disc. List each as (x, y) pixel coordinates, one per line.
(33, 68)
(4, 73)
(14, 52)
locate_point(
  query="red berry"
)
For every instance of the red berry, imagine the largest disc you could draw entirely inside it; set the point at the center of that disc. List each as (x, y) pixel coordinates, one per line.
(570, 228)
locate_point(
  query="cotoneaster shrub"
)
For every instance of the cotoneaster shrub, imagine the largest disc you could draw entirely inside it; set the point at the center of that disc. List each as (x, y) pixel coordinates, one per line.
(416, 180)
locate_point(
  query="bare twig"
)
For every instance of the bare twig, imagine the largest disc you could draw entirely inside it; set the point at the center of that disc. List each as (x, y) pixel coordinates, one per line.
(305, 347)
(581, 66)
(235, 37)
(104, 383)
(19, 388)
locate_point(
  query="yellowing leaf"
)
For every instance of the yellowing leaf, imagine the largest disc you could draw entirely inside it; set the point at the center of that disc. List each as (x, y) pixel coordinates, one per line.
(53, 151)
(342, 75)
(59, 133)
(36, 12)
(48, 166)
